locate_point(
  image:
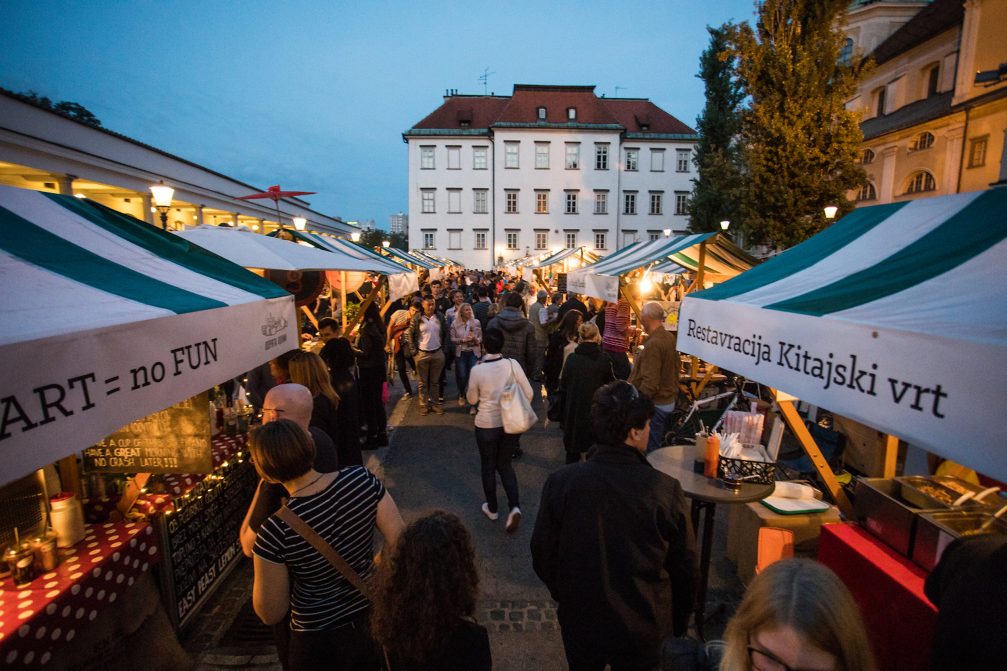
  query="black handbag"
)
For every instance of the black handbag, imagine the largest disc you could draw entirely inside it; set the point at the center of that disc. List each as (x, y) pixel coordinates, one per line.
(554, 411)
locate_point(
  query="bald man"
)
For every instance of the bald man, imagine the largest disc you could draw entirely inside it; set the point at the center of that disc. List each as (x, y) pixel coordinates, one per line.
(293, 402)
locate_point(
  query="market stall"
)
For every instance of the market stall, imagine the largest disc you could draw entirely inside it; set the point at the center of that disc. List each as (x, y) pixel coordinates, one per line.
(547, 267)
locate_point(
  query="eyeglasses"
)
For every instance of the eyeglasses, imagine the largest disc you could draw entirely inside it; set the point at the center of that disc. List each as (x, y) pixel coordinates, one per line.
(762, 660)
(273, 411)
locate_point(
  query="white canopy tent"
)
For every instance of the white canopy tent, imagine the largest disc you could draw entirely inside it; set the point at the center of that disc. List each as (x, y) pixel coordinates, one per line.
(895, 316)
(108, 319)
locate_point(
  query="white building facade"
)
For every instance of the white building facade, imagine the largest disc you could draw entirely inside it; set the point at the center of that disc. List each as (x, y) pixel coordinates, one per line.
(495, 178)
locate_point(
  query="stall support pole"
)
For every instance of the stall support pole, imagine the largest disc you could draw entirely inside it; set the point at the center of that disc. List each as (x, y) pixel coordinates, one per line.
(796, 425)
(342, 297)
(133, 488)
(632, 304)
(69, 475)
(891, 456)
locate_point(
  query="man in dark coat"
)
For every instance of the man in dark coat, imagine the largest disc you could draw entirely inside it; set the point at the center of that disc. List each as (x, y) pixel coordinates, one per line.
(573, 302)
(519, 334)
(614, 544)
(587, 369)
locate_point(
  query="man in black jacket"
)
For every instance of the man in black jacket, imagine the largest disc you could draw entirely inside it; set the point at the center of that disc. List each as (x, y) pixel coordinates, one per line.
(614, 544)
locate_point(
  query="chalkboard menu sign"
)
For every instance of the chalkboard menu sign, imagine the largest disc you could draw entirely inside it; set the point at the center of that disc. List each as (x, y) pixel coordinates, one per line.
(174, 440)
(200, 538)
(561, 283)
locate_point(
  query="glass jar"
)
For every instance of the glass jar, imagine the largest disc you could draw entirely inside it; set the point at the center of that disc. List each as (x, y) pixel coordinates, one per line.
(44, 547)
(20, 561)
(67, 519)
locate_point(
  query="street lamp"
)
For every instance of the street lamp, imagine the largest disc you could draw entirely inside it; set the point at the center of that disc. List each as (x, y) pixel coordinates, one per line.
(386, 243)
(355, 236)
(830, 211)
(725, 224)
(667, 232)
(162, 201)
(300, 223)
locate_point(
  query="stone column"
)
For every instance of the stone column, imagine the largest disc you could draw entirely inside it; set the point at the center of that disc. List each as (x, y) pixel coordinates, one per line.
(65, 184)
(148, 206)
(198, 221)
(886, 189)
(952, 160)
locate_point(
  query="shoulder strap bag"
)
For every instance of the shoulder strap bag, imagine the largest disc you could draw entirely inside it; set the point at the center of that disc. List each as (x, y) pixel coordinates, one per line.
(515, 409)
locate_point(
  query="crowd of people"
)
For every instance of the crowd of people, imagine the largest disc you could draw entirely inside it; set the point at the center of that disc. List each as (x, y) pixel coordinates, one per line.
(613, 540)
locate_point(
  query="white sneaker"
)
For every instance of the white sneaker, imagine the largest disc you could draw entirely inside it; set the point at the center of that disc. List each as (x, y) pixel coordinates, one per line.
(513, 520)
(492, 516)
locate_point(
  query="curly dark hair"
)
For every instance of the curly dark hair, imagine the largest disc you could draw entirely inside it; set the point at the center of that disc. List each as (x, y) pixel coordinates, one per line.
(423, 590)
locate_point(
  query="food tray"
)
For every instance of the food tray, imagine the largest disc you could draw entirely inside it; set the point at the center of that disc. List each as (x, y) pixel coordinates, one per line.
(739, 471)
(959, 487)
(936, 530)
(924, 492)
(880, 508)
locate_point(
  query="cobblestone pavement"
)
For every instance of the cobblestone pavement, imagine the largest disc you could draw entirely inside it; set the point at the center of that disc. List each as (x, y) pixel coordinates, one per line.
(432, 463)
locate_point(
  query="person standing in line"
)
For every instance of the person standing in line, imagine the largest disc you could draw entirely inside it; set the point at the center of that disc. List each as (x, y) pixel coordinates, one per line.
(586, 370)
(429, 334)
(425, 598)
(615, 336)
(614, 544)
(573, 302)
(371, 363)
(308, 369)
(562, 341)
(496, 447)
(398, 326)
(655, 370)
(467, 337)
(337, 353)
(541, 332)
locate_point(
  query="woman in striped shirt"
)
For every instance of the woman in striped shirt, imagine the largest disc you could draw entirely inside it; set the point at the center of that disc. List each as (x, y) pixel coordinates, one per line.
(328, 616)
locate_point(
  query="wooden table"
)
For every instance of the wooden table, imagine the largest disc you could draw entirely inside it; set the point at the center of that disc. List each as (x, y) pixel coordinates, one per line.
(705, 494)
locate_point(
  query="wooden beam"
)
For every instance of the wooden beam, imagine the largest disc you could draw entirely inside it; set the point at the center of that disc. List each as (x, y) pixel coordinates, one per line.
(701, 268)
(342, 298)
(360, 314)
(891, 456)
(796, 424)
(310, 315)
(69, 476)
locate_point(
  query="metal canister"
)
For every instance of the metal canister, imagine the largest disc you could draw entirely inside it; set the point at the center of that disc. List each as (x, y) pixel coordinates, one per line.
(21, 562)
(46, 555)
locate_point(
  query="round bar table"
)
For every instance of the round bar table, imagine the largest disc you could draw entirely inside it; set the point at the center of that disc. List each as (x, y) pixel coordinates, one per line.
(705, 494)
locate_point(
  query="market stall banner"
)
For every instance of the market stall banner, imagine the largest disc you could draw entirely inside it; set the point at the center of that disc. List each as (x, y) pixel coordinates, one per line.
(107, 319)
(895, 316)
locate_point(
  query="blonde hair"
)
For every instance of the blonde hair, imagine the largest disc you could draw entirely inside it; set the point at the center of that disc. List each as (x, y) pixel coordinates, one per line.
(589, 333)
(807, 597)
(307, 368)
(462, 308)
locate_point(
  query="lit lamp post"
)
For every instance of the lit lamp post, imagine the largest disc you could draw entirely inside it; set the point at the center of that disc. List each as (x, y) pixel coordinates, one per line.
(830, 211)
(386, 243)
(300, 223)
(355, 236)
(667, 232)
(162, 201)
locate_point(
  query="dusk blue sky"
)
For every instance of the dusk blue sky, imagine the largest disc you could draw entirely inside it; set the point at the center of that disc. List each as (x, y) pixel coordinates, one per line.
(315, 95)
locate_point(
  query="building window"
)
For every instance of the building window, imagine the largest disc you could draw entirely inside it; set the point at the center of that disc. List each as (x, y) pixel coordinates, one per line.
(541, 113)
(510, 203)
(657, 202)
(427, 196)
(454, 239)
(541, 240)
(977, 151)
(479, 161)
(632, 160)
(925, 140)
(867, 192)
(426, 158)
(879, 101)
(573, 156)
(571, 240)
(628, 238)
(629, 203)
(454, 158)
(933, 80)
(428, 240)
(541, 202)
(653, 235)
(480, 240)
(511, 239)
(454, 201)
(479, 201)
(571, 113)
(601, 156)
(921, 182)
(600, 202)
(599, 240)
(868, 157)
(846, 52)
(571, 202)
(681, 202)
(541, 155)
(657, 160)
(511, 155)
(682, 160)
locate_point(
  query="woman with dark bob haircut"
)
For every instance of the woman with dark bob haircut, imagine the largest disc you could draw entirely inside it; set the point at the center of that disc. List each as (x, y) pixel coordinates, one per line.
(426, 594)
(328, 615)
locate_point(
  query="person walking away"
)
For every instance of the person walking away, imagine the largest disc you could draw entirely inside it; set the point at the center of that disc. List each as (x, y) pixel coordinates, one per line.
(496, 447)
(560, 342)
(586, 370)
(329, 617)
(429, 334)
(615, 336)
(371, 363)
(398, 328)
(481, 307)
(540, 327)
(308, 369)
(425, 597)
(614, 544)
(519, 338)
(338, 356)
(467, 337)
(655, 370)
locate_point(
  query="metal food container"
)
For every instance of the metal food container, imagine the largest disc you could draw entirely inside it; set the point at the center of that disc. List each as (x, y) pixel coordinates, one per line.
(959, 487)
(881, 508)
(936, 530)
(924, 492)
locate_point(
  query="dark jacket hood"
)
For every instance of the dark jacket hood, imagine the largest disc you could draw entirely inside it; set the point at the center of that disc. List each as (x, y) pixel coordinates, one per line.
(591, 349)
(511, 319)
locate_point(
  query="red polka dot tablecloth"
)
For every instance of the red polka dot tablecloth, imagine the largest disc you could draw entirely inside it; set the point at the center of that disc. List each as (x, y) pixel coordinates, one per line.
(37, 618)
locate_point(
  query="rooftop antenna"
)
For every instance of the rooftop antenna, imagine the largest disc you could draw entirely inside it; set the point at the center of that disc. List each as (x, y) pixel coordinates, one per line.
(485, 79)
(618, 88)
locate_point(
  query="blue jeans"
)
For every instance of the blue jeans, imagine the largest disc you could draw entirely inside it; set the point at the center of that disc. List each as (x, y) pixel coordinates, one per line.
(657, 427)
(463, 366)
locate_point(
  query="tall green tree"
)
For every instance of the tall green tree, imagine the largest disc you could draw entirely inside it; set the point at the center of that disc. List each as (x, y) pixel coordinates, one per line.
(717, 190)
(799, 143)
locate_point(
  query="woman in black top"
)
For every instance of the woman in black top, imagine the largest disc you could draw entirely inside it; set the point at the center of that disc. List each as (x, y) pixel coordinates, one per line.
(425, 597)
(587, 369)
(308, 369)
(371, 362)
(338, 356)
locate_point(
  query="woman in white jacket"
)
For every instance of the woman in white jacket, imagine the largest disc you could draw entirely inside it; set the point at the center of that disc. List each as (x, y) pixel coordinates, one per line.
(486, 384)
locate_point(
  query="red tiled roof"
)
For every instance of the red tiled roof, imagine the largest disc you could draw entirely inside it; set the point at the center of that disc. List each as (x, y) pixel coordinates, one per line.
(930, 21)
(483, 112)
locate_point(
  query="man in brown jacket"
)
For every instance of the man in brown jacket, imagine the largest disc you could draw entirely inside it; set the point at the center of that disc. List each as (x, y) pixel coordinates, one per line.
(655, 370)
